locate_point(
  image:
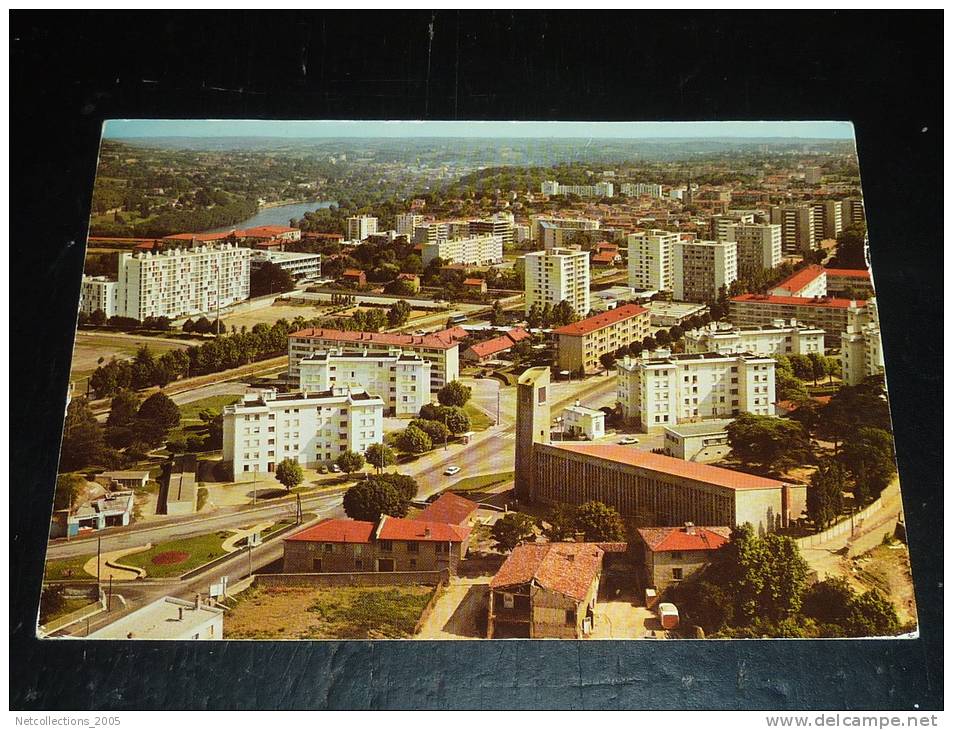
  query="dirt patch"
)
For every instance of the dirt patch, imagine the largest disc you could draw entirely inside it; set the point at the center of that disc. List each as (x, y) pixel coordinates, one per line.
(172, 557)
(887, 568)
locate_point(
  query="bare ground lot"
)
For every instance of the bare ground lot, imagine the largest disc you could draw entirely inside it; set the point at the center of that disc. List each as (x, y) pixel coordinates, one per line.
(270, 315)
(327, 613)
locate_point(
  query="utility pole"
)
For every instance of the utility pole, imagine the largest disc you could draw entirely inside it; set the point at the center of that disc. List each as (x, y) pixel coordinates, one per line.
(109, 601)
(249, 555)
(99, 558)
(254, 489)
(298, 516)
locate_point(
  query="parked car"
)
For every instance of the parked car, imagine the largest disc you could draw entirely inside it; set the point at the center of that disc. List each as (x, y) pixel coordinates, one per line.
(335, 469)
(626, 440)
(451, 470)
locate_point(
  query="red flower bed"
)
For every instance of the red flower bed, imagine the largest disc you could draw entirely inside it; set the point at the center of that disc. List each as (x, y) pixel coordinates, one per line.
(170, 557)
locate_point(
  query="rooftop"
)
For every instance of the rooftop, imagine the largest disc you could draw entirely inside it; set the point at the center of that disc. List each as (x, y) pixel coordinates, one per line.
(449, 508)
(668, 465)
(600, 321)
(568, 568)
(849, 273)
(703, 428)
(828, 302)
(389, 528)
(159, 620)
(684, 539)
(800, 279)
(444, 340)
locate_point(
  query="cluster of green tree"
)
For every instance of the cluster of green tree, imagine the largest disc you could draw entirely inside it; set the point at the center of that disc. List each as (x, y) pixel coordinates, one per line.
(203, 326)
(594, 521)
(380, 494)
(222, 353)
(662, 338)
(790, 372)
(547, 316)
(206, 437)
(177, 221)
(130, 425)
(756, 586)
(754, 280)
(449, 282)
(269, 278)
(849, 253)
(510, 279)
(97, 318)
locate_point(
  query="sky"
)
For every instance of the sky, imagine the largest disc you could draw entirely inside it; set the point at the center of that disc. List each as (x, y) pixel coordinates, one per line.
(133, 128)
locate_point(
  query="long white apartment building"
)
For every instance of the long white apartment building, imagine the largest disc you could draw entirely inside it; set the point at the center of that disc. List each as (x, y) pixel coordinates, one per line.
(311, 428)
(862, 352)
(471, 250)
(401, 380)
(781, 337)
(360, 227)
(701, 268)
(99, 292)
(663, 389)
(651, 263)
(440, 349)
(652, 190)
(557, 275)
(298, 265)
(431, 232)
(759, 245)
(499, 224)
(555, 232)
(597, 190)
(182, 282)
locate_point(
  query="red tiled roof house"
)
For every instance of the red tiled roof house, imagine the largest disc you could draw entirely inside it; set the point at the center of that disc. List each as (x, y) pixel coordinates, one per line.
(673, 554)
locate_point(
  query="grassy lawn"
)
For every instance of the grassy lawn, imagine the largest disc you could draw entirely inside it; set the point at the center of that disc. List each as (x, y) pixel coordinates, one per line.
(327, 613)
(68, 606)
(89, 347)
(280, 524)
(169, 559)
(68, 568)
(472, 484)
(479, 421)
(191, 424)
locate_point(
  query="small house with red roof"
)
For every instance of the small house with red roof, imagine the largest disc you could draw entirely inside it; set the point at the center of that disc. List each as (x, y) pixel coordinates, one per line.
(491, 349)
(449, 508)
(475, 286)
(546, 591)
(354, 276)
(392, 544)
(605, 258)
(412, 280)
(673, 554)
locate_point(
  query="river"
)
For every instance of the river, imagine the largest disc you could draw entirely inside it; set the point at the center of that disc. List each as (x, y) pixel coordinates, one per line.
(277, 216)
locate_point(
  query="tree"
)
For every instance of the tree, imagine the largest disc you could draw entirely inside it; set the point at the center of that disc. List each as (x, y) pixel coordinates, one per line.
(289, 473)
(534, 317)
(801, 364)
(705, 604)
(98, 317)
(82, 437)
(819, 367)
(69, 488)
(436, 430)
(380, 456)
(663, 338)
(648, 343)
(214, 426)
(398, 314)
(607, 361)
(676, 333)
(563, 314)
(405, 485)
(350, 462)
(370, 498)
(849, 253)
(599, 523)
(413, 441)
(853, 407)
(560, 524)
(512, 529)
(872, 614)
(767, 442)
(454, 393)
(121, 421)
(268, 278)
(789, 387)
(840, 611)
(157, 415)
(869, 458)
(825, 500)
(496, 313)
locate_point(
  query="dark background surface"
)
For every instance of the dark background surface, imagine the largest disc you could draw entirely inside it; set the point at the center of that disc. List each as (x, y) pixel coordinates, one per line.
(70, 71)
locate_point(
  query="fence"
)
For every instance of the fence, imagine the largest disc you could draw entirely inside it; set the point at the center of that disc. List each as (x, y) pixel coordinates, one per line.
(368, 580)
(428, 609)
(841, 527)
(97, 606)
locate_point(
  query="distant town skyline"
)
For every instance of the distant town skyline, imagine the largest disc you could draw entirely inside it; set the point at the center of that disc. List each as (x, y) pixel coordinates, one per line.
(292, 129)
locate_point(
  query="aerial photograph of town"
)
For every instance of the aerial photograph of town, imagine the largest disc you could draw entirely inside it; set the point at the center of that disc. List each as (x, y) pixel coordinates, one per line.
(489, 380)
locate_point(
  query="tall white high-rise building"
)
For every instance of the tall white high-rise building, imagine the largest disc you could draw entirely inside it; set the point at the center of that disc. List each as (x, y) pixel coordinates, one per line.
(558, 275)
(360, 227)
(828, 219)
(797, 228)
(663, 389)
(401, 379)
(182, 282)
(759, 245)
(406, 222)
(701, 268)
(650, 260)
(311, 428)
(499, 224)
(862, 352)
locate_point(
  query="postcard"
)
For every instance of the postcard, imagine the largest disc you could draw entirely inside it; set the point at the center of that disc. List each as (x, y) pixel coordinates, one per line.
(488, 380)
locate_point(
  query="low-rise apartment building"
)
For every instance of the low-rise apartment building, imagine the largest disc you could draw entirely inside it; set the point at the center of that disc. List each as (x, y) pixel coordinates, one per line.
(662, 389)
(577, 420)
(826, 313)
(581, 344)
(311, 428)
(469, 251)
(99, 293)
(298, 265)
(390, 545)
(440, 349)
(701, 442)
(401, 380)
(778, 338)
(811, 281)
(849, 283)
(669, 314)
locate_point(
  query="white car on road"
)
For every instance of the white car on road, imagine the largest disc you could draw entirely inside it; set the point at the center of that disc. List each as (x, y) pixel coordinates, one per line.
(451, 470)
(628, 440)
